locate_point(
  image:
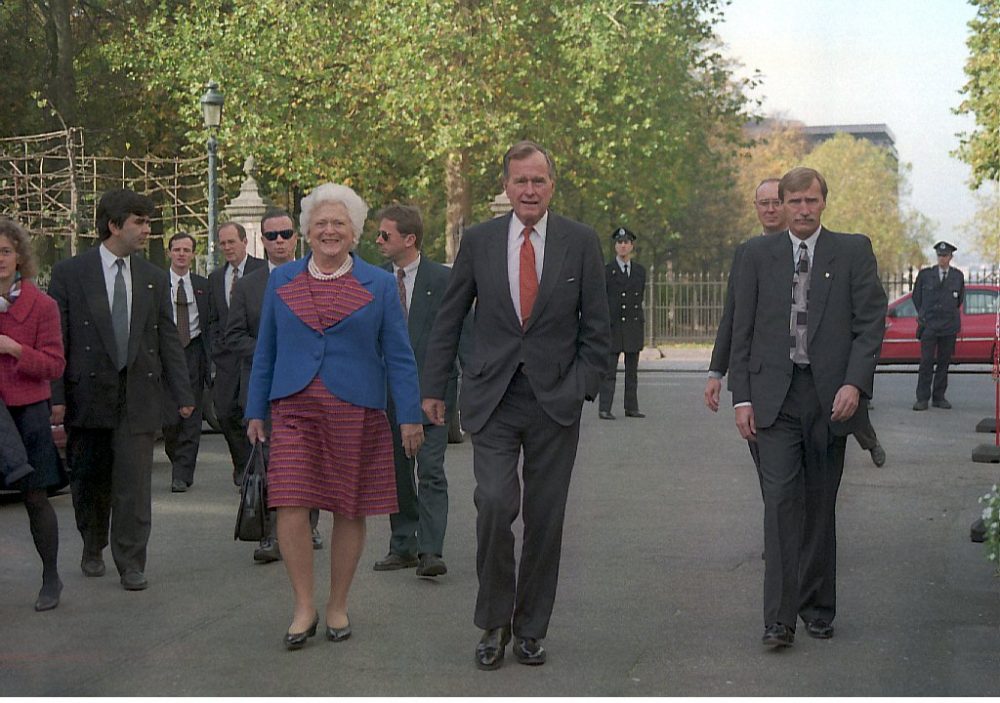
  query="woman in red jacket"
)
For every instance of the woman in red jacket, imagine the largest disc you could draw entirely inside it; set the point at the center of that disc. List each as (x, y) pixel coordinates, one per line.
(31, 355)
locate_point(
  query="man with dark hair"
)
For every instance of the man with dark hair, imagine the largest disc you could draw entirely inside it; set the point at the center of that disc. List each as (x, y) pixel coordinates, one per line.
(121, 349)
(540, 346)
(801, 366)
(938, 294)
(225, 385)
(418, 528)
(280, 239)
(189, 303)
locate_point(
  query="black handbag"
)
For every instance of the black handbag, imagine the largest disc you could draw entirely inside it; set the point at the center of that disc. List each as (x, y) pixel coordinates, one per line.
(251, 518)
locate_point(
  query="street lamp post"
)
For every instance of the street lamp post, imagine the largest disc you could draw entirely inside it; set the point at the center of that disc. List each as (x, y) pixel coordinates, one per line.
(211, 108)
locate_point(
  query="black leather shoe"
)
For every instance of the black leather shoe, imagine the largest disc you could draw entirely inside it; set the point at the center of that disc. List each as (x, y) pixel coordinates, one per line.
(491, 648)
(317, 539)
(977, 531)
(778, 635)
(48, 597)
(134, 581)
(178, 486)
(920, 405)
(297, 640)
(634, 413)
(605, 415)
(92, 565)
(878, 455)
(528, 651)
(431, 565)
(943, 404)
(394, 562)
(820, 629)
(267, 551)
(338, 634)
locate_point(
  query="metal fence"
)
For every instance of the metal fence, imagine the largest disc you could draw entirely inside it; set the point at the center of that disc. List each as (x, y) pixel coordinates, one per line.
(688, 307)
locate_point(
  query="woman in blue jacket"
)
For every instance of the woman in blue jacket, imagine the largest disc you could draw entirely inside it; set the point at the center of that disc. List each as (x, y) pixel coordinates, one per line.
(332, 338)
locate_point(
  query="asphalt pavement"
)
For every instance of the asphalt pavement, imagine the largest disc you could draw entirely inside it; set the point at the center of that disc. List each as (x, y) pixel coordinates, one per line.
(660, 587)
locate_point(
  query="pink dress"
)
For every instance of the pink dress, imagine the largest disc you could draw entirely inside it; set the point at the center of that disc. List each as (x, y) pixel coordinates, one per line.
(325, 452)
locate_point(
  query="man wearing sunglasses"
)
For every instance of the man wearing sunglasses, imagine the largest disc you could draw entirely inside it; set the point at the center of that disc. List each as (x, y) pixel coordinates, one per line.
(418, 528)
(280, 240)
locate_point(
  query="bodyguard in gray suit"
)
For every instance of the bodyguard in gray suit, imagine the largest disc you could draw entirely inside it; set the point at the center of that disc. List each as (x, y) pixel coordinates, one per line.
(419, 526)
(120, 341)
(800, 369)
(540, 345)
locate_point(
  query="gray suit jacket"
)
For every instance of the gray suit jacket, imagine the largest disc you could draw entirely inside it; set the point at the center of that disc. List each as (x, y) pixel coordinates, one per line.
(724, 337)
(565, 346)
(89, 386)
(243, 322)
(846, 322)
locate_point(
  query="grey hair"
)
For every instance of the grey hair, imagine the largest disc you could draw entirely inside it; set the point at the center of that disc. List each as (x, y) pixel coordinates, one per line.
(357, 209)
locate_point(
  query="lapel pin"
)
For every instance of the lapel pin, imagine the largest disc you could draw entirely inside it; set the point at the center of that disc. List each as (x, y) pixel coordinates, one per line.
(827, 274)
(149, 285)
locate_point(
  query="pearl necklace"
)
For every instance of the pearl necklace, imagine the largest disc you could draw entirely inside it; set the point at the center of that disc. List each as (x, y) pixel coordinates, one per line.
(320, 276)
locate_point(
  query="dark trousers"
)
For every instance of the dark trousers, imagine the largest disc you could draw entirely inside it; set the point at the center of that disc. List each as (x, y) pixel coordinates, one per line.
(801, 463)
(420, 524)
(631, 383)
(239, 446)
(182, 438)
(934, 348)
(110, 482)
(549, 450)
(866, 437)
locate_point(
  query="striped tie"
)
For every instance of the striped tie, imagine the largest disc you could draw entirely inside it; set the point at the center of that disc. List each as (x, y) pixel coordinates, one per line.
(799, 325)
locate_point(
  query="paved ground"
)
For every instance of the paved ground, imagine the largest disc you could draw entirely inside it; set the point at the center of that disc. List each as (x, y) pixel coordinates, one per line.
(660, 591)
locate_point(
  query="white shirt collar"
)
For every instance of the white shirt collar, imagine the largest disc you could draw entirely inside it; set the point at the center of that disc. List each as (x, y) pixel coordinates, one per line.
(108, 259)
(810, 241)
(174, 277)
(410, 268)
(622, 263)
(517, 227)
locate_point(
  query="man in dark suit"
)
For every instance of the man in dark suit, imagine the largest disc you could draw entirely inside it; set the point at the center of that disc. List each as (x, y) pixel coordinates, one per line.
(189, 301)
(121, 347)
(626, 286)
(280, 240)
(225, 385)
(799, 370)
(771, 216)
(938, 294)
(418, 528)
(540, 346)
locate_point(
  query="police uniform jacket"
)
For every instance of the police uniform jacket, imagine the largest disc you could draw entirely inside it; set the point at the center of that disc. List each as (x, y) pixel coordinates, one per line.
(938, 301)
(625, 294)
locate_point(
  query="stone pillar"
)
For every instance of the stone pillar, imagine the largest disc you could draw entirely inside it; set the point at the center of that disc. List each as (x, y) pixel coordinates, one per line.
(500, 204)
(247, 208)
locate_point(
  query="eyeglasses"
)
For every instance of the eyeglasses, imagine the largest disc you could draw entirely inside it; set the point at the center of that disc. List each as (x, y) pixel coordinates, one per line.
(765, 204)
(383, 235)
(283, 233)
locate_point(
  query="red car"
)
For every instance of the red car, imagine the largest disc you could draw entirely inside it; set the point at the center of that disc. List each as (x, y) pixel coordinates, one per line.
(975, 341)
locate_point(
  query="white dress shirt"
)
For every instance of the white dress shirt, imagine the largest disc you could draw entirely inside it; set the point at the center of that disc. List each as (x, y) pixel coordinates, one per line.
(408, 279)
(194, 326)
(810, 246)
(108, 259)
(623, 265)
(514, 240)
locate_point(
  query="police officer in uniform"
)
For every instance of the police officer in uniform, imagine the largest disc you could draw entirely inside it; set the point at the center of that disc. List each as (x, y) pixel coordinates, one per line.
(938, 294)
(626, 284)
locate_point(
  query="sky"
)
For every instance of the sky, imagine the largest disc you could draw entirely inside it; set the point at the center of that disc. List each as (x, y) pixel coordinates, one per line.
(897, 62)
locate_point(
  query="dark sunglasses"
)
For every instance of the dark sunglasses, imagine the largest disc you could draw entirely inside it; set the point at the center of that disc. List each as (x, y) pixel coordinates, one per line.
(283, 233)
(383, 235)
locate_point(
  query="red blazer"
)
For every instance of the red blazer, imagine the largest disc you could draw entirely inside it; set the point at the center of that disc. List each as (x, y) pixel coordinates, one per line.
(33, 322)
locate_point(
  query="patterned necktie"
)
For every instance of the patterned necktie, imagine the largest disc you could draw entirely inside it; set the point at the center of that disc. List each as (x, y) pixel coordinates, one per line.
(183, 320)
(528, 283)
(232, 284)
(119, 315)
(400, 275)
(799, 325)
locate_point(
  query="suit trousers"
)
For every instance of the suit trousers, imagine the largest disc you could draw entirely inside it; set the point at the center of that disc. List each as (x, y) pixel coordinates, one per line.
(235, 433)
(939, 348)
(631, 383)
(182, 438)
(420, 524)
(865, 436)
(110, 483)
(801, 464)
(549, 450)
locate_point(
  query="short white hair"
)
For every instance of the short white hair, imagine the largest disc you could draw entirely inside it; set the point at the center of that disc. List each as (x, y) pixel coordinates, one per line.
(357, 209)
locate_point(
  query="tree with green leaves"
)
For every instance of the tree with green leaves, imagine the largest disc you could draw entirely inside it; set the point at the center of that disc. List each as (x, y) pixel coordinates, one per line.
(981, 148)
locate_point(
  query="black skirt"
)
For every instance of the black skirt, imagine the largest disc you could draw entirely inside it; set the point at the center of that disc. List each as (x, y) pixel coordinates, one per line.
(33, 425)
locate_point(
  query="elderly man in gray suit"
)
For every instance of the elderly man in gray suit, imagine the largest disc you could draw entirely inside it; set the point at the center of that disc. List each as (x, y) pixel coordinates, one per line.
(800, 368)
(540, 346)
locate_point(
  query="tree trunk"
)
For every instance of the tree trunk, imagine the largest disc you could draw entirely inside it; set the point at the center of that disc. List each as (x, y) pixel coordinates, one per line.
(457, 196)
(63, 84)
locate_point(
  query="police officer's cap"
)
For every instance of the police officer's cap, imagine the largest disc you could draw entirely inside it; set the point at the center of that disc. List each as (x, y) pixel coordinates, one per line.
(944, 248)
(623, 235)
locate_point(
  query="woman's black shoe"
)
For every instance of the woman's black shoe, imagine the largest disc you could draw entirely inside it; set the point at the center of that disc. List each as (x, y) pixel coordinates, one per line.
(297, 640)
(48, 597)
(338, 634)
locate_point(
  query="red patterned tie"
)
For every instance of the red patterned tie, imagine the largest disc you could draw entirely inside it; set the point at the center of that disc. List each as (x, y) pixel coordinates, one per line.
(400, 275)
(529, 280)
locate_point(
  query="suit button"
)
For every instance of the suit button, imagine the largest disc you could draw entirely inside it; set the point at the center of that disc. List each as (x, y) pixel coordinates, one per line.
(86, 323)
(623, 319)
(86, 348)
(149, 375)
